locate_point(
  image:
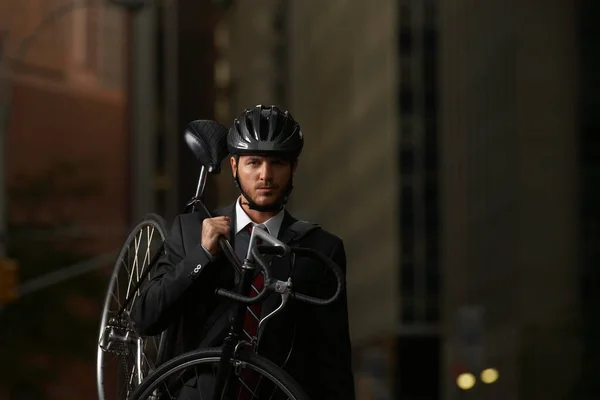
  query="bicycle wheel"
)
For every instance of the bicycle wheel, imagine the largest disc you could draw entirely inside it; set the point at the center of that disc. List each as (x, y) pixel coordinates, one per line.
(120, 348)
(191, 376)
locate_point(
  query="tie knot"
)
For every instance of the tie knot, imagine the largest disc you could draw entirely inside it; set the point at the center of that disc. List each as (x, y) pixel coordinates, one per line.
(262, 226)
(259, 226)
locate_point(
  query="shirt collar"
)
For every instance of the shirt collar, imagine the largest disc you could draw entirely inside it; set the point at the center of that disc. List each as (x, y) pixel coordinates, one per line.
(273, 224)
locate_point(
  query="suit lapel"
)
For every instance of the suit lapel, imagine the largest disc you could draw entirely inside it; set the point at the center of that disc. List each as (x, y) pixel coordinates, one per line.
(229, 211)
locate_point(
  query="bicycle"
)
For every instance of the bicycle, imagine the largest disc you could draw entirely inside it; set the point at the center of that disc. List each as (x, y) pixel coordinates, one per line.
(148, 376)
(124, 357)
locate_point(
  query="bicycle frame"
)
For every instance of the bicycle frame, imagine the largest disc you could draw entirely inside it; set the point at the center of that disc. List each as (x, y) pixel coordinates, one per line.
(233, 339)
(234, 342)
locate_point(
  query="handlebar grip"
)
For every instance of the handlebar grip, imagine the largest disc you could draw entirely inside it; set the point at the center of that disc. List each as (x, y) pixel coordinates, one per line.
(273, 250)
(242, 299)
(333, 267)
(246, 299)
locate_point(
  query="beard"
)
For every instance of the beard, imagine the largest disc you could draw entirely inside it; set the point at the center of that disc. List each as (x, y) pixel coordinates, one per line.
(268, 198)
(261, 202)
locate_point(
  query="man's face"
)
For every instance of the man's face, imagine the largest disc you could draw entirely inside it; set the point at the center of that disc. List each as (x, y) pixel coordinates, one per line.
(263, 178)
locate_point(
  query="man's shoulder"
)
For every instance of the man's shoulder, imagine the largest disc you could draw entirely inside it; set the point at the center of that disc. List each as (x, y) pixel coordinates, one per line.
(316, 232)
(329, 236)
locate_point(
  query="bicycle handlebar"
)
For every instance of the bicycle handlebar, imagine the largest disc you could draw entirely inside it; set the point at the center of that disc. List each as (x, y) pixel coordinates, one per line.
(246, 299)
(255, 253)
(333, 267)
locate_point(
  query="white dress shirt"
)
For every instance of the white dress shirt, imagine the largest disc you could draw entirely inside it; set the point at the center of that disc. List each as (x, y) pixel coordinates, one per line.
(242, 220)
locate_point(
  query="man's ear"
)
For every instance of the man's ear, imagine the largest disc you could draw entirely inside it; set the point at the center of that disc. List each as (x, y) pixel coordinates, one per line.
(294, 166)
(233, 162)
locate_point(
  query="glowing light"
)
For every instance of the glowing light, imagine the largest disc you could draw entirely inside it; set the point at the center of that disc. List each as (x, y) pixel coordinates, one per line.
(465, 381)
(489, 375)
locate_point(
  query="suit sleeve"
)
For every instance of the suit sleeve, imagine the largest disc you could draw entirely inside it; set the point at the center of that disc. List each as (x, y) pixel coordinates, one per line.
(334, 351)
(159, 301)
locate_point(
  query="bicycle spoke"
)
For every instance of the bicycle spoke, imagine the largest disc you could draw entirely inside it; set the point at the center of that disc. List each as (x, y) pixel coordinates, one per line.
(147, 257)
(244, 385)
(134, 266)
(119, 373)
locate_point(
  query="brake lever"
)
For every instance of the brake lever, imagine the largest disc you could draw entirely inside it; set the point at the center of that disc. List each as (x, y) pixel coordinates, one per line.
(284, 289)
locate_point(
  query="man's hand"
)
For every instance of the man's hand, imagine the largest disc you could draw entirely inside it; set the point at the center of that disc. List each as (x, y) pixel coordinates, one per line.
(212, 228)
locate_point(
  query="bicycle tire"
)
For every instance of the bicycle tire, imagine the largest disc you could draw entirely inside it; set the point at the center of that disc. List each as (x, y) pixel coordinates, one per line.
(265, 367)
(158, 224)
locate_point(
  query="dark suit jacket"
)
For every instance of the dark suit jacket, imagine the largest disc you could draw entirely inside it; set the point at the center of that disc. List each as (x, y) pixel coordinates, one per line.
(185, 302)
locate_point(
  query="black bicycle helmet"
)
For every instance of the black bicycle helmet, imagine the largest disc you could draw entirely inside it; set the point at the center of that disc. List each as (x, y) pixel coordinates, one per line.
(265, 130)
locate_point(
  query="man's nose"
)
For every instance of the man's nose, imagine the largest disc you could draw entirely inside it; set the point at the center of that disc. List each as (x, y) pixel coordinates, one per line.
(266, 171)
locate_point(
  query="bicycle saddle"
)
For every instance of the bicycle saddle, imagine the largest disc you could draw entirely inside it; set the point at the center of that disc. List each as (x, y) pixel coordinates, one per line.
(208, 141)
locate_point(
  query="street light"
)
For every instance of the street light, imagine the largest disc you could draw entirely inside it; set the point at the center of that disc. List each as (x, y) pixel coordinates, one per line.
(489, 375)
(465, 381)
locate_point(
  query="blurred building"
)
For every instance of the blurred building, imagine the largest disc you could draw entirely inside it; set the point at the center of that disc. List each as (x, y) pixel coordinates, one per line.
(361, 80)
(511, 199)
(589, 192)
(440, 142)
(99, 101)
(66, 151)
(186, 90)
(251, 68)
(66, 108)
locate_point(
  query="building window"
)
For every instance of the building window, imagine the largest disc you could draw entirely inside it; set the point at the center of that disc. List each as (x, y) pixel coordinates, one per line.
(430, 19)
(406, 100)
(430, 41)
(407, 161)
(405, 15)
(432, 218)
(430, 106)
(407, 278)
(430, 131)
(406, 41)
(432, 277)
(407, 198)
(407, 242)
(408, 310)
(430, 78)
(406, 131)
(432, 310)
(432, 250)
(431, 158)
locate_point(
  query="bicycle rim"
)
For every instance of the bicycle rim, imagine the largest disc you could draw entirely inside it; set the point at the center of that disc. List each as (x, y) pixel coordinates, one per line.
(191, 377)
(116, 373)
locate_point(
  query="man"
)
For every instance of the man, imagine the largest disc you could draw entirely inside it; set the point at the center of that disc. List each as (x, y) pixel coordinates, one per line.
(311, 342)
